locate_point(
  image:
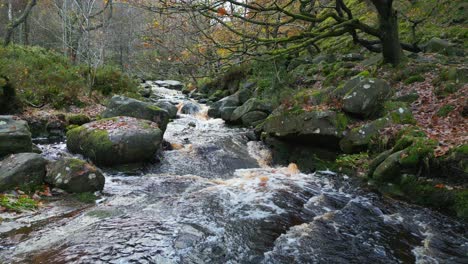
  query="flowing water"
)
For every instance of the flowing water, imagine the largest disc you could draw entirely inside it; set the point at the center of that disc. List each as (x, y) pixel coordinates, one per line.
(214, 199)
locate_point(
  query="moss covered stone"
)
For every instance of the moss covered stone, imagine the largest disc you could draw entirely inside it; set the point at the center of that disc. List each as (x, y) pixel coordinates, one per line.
(75, 176)
(78, 119)
(116, 140)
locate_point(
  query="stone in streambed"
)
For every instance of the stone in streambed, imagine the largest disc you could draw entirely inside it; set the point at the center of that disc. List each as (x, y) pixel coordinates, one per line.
(15, 136)
(74, 176)
(22, 170)
(117, 140)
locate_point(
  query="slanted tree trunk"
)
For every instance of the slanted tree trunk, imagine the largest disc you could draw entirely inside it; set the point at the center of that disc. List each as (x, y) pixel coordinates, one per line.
(14, 23)
(388, 25)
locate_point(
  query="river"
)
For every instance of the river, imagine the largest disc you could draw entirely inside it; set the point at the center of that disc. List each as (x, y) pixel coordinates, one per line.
(215, 198)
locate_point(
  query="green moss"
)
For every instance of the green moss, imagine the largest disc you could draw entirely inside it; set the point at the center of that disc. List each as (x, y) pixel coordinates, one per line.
(463, 149)
(154, 107)
(365, 74)
(341, 121)
(100, 214)
(17, 204)
(414, 79)
(420, 149)
(461, 204)
(78, 119)
(445, 110)
(354, 161)
(76, 164)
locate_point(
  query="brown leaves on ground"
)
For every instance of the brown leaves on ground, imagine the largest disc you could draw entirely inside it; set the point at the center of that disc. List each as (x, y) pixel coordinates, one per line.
(449, 131)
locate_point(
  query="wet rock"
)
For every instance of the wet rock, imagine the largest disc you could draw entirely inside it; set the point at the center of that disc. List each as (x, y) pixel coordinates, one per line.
(14, 136)
(437, 45)
(170, 108)
(190, 108)
(124, 106)
(245, 93)
(74, 176)
(171, 84)
(251, 105)
(146, 91)
(389, 169)
(22, 170)
(321, 128)
(116, 140)
(365, 96)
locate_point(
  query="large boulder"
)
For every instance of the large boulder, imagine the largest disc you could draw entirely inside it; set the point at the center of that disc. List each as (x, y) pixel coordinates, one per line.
(14, 136)
(168, 106)
(253, 118)
(229, 101)
(319, 128)
(117, 140)
(365, 96)
(190, 108)
(437, 45)
(22, 170)
(251, 105)
(74, 176)
(124, 106)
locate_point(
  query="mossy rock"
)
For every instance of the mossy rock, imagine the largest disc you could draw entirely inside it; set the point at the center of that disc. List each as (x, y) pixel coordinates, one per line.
(321, 128)
(24, 170)
(78, 119)
(124, 106)
(74, 176)
(117, 140)
(251, 105)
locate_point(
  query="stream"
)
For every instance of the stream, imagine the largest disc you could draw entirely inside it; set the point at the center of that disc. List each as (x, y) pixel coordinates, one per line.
(215, 198)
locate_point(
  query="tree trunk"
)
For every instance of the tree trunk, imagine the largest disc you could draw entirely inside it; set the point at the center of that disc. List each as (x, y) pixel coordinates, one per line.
(16, 22)
(388, 24)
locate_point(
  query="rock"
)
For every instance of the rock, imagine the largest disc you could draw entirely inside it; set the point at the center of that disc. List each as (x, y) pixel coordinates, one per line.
(251, 105)
(168, 107)
(14, 136)
(190, 108)
(36, 149)
(24, 170)
(253, 118)
(146, 91)
(226, 112)
(229, 101)
(352, 57)
(365, 96)
(328, 58)
(319, 128)
(437, 45)
(244, 94)
(74, 176)
(124, 106)
(171, 84)
(9, 102)
(389, 169)
(117, 140)
(78, 119)
(359, 138)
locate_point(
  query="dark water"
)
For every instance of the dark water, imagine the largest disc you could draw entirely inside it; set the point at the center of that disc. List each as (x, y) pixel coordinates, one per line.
(214, 199)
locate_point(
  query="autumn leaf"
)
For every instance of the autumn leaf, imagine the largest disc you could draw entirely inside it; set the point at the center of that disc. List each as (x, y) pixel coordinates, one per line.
(222, 11)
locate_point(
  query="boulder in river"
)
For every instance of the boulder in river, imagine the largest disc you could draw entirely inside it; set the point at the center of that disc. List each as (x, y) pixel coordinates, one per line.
(228, 101)
(124, 106)
(74, 176)
(15, 136)
(190, 108)
(117, 140)
(319, 128)
(365, 96)
(22, 170)
(252, 105)
(168, 106)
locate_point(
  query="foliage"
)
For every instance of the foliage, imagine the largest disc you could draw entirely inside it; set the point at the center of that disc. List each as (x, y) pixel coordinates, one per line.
(86, 197)
(17, 203)
(354, 161)
(46, 77)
